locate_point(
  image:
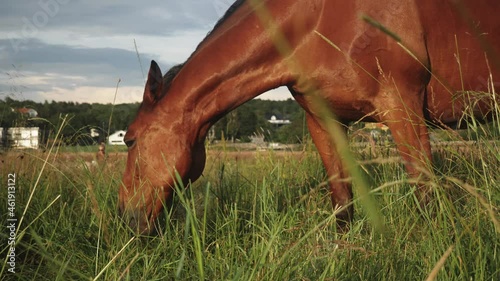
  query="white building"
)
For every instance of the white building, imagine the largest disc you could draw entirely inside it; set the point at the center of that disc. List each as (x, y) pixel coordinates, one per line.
(274, 120)
(117, 138)
(20, 137)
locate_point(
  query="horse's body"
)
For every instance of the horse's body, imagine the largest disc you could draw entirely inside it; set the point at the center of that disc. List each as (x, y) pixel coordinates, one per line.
(362, 73)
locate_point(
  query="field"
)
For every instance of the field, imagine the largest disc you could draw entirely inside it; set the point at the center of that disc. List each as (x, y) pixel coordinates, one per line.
(253, 216)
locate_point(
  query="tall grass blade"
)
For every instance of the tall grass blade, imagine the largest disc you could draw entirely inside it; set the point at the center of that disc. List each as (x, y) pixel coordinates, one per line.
(439, 265)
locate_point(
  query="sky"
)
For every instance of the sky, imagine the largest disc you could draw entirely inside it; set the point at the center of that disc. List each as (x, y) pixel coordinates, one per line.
(88, 50)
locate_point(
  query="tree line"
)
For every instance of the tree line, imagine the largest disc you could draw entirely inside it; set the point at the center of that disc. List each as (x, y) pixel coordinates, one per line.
(239, 125)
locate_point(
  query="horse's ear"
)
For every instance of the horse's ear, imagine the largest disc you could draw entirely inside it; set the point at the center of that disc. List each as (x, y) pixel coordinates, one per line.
(152, 92)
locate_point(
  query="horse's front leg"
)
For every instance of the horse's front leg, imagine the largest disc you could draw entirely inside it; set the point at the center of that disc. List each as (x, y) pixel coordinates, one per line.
(340, 186)
(405, 119)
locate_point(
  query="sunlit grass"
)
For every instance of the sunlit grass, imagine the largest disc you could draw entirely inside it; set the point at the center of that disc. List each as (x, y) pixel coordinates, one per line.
(257, 216)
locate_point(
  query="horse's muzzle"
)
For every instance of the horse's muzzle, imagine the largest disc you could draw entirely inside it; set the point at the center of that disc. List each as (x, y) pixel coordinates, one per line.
(136, 219)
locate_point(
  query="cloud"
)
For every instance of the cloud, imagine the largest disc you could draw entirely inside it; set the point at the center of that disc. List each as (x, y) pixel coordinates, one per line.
(281, 93)
(87, 94)
(96, 17)
(61, 49)
(43, 68)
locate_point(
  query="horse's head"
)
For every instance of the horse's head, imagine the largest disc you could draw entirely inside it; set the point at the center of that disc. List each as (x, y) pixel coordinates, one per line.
(162, 143)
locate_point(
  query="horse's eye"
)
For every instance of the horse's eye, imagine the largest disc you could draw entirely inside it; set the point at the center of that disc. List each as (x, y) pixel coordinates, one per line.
(129, 143)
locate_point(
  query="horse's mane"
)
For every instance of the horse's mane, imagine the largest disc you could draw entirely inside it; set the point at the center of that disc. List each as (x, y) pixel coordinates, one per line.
(228, 13)
(172, 73)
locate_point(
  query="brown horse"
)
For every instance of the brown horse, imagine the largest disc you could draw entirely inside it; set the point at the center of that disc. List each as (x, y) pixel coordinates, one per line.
(437, 53)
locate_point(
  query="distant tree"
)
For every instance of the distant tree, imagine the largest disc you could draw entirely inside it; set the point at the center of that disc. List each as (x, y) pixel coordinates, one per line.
(296, 132)
(7, 116)
(240, 124)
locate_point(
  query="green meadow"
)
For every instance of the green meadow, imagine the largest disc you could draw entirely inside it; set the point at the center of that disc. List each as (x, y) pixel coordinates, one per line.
(256, 215)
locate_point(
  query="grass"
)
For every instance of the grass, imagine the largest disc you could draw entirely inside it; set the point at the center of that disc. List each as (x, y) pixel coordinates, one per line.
(256, 216)
(259, 216)
(93, 149)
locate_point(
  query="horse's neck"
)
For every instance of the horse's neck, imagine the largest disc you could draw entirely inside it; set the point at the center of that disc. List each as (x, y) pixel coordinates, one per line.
(231, 67)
